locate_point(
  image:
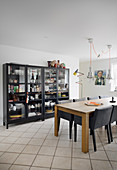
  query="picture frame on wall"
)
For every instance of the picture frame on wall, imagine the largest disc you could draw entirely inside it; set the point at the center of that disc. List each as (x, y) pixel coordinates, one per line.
(100, 77)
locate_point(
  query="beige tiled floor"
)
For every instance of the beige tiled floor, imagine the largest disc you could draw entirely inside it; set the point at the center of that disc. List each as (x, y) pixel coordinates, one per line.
(33, 146)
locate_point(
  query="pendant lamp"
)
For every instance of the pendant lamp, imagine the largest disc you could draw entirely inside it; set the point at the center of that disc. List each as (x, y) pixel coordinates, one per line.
(90, 75)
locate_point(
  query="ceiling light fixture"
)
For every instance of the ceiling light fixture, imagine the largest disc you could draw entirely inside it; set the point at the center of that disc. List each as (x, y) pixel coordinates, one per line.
(90, 75)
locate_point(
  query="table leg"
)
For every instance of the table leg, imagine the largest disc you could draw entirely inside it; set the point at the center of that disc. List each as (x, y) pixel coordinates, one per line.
(85, 133)
(56, 122)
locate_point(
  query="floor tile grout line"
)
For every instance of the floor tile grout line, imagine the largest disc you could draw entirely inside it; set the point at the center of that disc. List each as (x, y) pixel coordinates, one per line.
(105, 151)
(56, 148)
(16, 157)
(40, 147)
(17, 153)
(24, 153)
(57, 143)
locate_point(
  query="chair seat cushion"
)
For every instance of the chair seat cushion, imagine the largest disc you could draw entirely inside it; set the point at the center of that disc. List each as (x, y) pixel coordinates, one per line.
(65, 115)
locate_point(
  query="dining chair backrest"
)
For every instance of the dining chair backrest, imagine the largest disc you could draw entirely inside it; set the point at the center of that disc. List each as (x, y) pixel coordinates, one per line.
(62, 114)
(91, 98)
(64, 101)
(101, 97)
(78, 100)
(114, 114)
(101, 117)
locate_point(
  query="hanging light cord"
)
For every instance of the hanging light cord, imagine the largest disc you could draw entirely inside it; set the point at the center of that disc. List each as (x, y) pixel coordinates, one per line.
(94, 50)
(80, 74)
(102, 52)
(105, 52)
(109, 58)
(90, 53)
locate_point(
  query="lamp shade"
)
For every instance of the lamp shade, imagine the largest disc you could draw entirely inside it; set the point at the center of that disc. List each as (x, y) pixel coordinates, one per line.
(75, 73)
(90, 75)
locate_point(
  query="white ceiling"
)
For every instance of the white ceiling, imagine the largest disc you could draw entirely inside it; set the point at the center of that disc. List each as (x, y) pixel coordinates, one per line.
(59, 26)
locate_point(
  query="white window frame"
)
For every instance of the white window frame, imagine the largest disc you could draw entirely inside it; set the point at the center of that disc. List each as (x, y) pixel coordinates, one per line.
(114, 76)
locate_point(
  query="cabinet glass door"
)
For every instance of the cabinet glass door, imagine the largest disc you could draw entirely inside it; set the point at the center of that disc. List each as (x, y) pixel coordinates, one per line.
(16, 92)
(50, 76)
(34, 94)
(63, 84)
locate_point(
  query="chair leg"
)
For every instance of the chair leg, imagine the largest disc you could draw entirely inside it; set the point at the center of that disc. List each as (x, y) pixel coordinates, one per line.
(111, 136)
(116, 122)
(58, 123)
(94, 141)
(90, 132)
(75, 132)
(70, 129)
(108, 134)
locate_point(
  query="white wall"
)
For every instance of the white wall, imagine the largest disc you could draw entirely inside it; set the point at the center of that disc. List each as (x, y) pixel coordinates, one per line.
(89, 87)
(26, 56)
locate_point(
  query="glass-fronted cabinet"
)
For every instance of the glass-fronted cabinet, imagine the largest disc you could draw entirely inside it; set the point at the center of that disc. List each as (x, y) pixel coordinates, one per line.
(34, 94)
(63, 84)
(31, 92)
(16, 92)
(50, 86)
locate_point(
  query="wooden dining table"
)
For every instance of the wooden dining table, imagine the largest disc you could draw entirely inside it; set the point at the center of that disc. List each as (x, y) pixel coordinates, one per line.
(85, 111)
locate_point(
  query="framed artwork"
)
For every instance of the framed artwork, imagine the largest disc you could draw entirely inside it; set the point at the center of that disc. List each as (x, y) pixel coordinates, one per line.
(100, 77)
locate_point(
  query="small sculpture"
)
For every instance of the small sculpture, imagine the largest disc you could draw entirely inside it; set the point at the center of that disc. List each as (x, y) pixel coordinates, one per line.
(53, 63)
(62, 65)
(56, 64)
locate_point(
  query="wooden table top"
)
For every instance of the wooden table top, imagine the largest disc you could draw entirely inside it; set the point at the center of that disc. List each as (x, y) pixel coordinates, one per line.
(80, 106)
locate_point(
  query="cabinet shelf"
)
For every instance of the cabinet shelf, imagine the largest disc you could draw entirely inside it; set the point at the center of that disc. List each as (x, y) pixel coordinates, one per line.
(38, 100)
(34, 83)
(51, 93)
(48, 77)
(23, 101)
(62, 91)
(16, 84)
(51, 83)
(51, 98)
(34, 92)
(63, 83)
(17, 93)
(63, 97)
(49, 112)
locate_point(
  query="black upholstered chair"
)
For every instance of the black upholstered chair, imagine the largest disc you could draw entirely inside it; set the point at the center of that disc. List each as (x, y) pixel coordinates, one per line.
(81, 99)
(101, 117)
(113, 118)
(91, 98)
(101, 97)
(66, 116)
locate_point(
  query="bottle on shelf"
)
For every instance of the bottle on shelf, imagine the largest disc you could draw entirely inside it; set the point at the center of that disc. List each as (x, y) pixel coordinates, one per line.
(27, 98)
(37, 88)
(30, 87)
(20, 90)
(37, 78)
(32, 108)
(36, 106)
(29, 108)
(9, 90)
(9, 70)
(32, 79)
(12, 88)
(58, 63)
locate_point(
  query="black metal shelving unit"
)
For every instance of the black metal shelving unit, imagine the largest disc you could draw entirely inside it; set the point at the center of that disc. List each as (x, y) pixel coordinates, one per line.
(31, 92)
